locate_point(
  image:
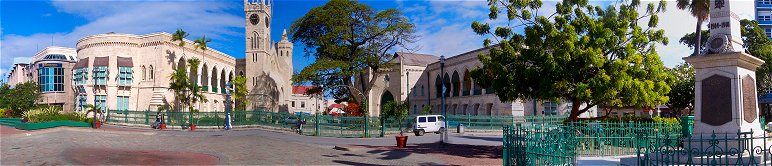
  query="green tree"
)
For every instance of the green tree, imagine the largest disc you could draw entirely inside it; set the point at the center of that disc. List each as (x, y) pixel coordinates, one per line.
(690, 41)
(195, 92)
(180, 36)
(396, 110)
(699, 9)
(5, 90)
(201, 43)
(240, 92)
(179, 83)
(349, 41)
(24, 97)
(426, 110)
(681, 95)
(95, 110)
(582, 53)
(755, 42)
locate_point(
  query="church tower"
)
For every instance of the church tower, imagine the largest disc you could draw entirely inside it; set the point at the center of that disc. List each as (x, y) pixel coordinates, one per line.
(268, 66)
(258, 28)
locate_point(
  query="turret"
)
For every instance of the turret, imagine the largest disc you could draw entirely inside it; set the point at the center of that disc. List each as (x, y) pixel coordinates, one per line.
(284, 46)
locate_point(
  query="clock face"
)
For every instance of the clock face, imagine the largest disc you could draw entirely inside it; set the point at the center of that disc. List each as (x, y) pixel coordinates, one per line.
(253, 19)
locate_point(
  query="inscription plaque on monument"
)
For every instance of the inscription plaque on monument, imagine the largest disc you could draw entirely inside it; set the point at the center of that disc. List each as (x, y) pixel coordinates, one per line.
(716, 100)
(724, 28)
(749, 99)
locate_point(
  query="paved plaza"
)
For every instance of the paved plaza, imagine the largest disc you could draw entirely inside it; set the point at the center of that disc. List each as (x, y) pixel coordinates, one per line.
(117, 145)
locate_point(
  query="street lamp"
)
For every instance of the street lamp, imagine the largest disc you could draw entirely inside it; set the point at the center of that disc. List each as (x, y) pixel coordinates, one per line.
(444, 136)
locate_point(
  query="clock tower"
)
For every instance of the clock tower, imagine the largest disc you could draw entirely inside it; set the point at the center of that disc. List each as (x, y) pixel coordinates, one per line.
(258, 26)
(268, 64)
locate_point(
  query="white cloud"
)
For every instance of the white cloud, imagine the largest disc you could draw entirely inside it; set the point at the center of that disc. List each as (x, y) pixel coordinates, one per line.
(197, 18)
(21, 60)
(445, 25)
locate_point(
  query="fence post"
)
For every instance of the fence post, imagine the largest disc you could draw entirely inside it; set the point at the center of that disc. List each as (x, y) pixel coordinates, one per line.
(469, 120)
(367, 131)
(147, 119)
(316, 124)
(383, 126)
(504, 149)
(490, 122)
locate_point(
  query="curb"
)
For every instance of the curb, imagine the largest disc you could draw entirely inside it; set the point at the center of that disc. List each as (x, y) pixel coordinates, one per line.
(51, 130)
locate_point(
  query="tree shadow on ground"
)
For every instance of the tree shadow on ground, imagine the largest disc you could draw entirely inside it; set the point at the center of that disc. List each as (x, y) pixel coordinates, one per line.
(494, 139)
(353, 163)
(367, 164)
(460, 150)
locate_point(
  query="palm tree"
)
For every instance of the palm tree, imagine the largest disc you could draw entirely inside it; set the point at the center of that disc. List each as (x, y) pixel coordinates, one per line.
(699, 9)
(195, 94)
(91, 108)
(201, 43)
(178, 82)
(180, 36)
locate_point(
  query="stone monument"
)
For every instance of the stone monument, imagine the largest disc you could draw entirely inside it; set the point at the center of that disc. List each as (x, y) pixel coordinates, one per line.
(724, 101)
(725, 89)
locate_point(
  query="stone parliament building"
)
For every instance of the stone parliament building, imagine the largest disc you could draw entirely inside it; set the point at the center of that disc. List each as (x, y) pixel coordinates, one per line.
(131, 72)
(417, 79)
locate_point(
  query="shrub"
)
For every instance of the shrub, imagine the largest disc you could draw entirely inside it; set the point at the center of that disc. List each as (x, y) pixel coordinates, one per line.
(2, 112)
(52, 113)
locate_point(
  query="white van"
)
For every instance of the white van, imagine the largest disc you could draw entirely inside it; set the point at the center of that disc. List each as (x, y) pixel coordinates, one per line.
(428, 123)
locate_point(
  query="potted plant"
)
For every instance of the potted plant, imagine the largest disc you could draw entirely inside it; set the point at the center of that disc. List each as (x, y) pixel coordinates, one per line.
(192, 125)
(397, 111)
(160, 109)
(96, 110)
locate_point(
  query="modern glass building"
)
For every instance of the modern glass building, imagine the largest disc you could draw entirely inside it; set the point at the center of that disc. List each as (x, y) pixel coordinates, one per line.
(51, 68)
(764, 15)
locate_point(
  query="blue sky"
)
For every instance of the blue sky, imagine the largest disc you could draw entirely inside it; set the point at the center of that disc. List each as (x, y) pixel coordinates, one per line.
(444, 26)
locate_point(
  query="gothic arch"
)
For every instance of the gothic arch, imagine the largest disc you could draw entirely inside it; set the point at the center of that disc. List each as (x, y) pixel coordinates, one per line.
(448, 88)
(214, 79)
(467, 83)
(181, 63)
(144, 72)
(255, 40)
(222, 79)
(456, 84)
(205, 75)
(385, 98)
(437, 86)
(152, 74)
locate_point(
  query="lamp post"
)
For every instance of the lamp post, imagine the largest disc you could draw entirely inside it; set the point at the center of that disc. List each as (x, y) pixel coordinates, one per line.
(444, 136)
(228, 105)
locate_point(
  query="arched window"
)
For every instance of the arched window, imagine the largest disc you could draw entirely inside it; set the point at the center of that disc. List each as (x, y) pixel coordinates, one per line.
(144, 72)
(254, 40)
(152, 74)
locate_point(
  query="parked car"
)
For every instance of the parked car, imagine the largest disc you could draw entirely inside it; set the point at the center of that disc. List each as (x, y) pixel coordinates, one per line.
(428, 123)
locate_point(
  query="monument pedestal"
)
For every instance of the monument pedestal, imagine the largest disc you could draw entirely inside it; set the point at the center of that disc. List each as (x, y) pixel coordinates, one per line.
(725, 100)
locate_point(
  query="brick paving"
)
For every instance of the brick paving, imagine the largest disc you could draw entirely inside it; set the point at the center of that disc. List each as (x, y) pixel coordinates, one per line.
(8, 131)
(452, 154)
(57, 147)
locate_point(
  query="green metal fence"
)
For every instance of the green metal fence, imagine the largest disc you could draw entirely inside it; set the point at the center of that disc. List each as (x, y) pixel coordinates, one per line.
(318, 125)
(740, 148)
(560, 144)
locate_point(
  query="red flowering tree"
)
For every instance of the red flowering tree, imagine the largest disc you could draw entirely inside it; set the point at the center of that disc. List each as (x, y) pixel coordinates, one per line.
(353, 109)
